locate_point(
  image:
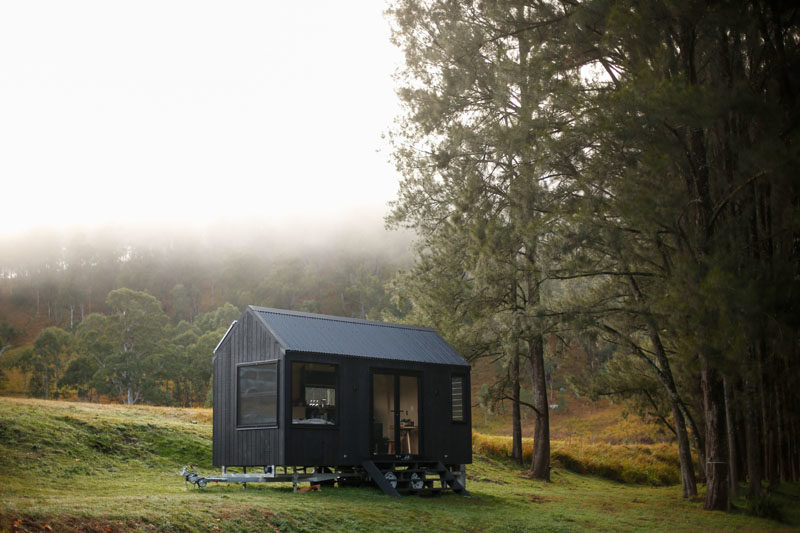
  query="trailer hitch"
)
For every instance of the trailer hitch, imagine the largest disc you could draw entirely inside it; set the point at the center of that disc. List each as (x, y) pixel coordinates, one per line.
(190, 475)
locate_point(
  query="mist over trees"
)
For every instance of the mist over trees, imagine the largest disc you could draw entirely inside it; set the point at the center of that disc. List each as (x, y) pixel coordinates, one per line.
(135, 315)
(626, 171)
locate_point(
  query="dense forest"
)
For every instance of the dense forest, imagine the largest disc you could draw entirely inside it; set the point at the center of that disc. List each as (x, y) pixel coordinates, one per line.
(608, 188)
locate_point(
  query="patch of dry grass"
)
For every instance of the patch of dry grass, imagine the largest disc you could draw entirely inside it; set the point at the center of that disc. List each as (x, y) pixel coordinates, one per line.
(600, 421)
(652, 464)
(198, 415)
(604, 422)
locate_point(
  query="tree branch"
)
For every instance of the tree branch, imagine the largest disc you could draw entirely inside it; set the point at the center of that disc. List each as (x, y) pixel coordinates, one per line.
(526, 404)
(728, 197)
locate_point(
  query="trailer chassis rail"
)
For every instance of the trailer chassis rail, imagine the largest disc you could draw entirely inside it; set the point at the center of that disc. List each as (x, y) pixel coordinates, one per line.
(293, 475)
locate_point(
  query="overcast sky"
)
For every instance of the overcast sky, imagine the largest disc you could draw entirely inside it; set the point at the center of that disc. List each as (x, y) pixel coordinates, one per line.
(194, 111)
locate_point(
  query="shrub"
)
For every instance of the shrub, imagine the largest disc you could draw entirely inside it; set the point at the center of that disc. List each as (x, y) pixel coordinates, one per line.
(765, 507)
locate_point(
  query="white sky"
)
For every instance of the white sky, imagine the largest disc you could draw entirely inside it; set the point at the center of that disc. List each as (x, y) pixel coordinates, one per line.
(137, 112)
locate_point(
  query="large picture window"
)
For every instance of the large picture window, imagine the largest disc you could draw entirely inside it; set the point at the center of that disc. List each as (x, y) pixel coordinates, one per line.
(457, 398)
(313, 394)
(257, 390)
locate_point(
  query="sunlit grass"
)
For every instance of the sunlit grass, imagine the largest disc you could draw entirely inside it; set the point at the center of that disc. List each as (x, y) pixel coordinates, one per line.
(654, 464)
(588, 421)
(79, 467)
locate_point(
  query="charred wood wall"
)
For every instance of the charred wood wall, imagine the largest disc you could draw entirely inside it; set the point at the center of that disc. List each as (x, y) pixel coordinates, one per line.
(346, 443)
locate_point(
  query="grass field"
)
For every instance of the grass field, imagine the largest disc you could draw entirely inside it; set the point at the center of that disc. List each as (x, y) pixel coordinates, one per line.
(86, 467)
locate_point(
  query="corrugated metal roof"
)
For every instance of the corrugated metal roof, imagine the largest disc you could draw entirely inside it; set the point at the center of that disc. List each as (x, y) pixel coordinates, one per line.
(307, 332)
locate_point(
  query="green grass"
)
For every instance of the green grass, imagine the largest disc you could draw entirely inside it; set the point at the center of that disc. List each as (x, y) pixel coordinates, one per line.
(79, 467)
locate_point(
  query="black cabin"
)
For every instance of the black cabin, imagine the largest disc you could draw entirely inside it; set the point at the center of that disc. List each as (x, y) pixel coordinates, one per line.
(297, 389)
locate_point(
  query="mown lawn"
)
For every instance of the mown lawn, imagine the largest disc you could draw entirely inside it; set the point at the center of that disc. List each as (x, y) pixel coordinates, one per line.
(88, 467)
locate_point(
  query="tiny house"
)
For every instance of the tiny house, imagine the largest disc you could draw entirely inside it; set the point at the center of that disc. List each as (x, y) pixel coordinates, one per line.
(298, 389)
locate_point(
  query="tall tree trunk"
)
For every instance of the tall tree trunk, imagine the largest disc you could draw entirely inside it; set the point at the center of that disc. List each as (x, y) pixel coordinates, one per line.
(698, 439)
(700, 231)
(754, 443)
(741, 441)
(733, 464)
(768, 415)
(780, 434)
(664, 374)
(516, 419)
(795, 449)
(717, 464)
(688, 481)
(540, 461)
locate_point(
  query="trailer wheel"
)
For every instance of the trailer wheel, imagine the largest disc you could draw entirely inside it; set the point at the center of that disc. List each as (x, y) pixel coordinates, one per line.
(416, 482)
(391, 478)
(201, 483)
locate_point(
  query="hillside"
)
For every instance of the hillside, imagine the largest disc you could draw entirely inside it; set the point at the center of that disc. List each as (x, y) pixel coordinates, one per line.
(89, 467)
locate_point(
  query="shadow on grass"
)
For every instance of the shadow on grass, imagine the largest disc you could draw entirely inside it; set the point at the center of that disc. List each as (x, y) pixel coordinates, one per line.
(350, 494)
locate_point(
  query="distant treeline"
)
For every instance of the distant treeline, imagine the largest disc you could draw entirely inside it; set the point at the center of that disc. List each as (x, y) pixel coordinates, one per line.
(64, 304)
(57, 279)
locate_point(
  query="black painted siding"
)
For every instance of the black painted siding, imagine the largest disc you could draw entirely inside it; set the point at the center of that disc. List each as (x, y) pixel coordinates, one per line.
(249, 341)
(348, 443)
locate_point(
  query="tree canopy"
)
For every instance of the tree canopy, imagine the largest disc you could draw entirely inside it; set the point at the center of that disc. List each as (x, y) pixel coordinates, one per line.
(636, 160)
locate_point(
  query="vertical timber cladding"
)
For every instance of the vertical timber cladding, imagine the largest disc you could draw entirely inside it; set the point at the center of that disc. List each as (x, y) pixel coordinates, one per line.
(284, 336)
(220, 406)
(248, 342)
(348, 442)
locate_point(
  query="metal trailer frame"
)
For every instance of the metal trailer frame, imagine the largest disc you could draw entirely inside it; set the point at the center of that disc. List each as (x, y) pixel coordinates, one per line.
(392, 478)
(271, 474)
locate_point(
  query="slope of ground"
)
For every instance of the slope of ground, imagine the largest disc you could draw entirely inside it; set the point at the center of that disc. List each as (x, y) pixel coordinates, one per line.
(650, 464)
(83, 467)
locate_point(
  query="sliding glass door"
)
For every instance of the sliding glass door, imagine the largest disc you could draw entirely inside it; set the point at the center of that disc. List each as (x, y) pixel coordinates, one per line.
(396, 420)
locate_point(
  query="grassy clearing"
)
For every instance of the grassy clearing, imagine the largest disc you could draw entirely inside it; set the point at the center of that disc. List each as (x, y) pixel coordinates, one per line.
(78, 467)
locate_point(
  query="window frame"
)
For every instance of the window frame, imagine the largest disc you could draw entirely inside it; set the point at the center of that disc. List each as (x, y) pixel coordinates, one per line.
(397, 373)
(276, 363)
(290, 399)
(463, 378)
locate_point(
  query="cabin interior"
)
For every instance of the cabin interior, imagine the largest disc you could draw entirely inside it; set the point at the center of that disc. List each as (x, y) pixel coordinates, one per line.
(395, 409)
(313, 393)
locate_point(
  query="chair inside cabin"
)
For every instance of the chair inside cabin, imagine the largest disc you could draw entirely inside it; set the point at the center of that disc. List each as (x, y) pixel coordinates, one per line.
(379, 442)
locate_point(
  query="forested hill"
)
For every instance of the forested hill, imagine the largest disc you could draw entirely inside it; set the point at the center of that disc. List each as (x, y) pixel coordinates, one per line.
(51, 278)
(58, 288)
